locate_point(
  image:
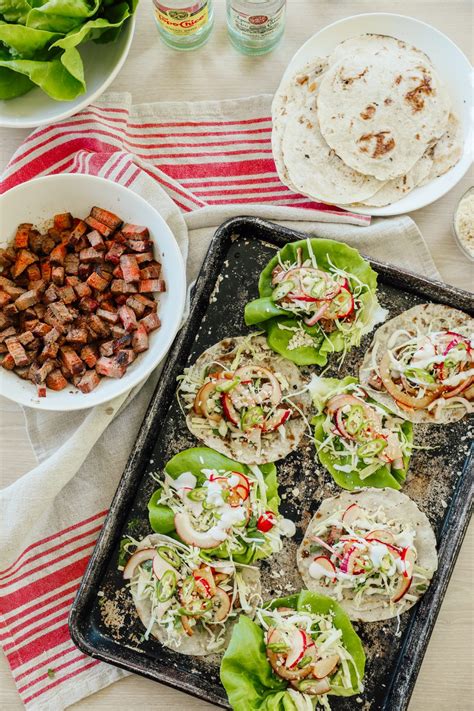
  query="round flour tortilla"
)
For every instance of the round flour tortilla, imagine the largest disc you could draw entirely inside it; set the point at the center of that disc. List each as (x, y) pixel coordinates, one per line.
(421, 319)
(313, 167)
(447, 151)
(291, 96)
(197, 645)
(397, 188)
(273, 445)
(373, 43)
(397, 506)
(381, 110)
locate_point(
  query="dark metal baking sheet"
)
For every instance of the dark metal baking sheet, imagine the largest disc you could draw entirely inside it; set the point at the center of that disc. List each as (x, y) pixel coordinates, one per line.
(103, 622)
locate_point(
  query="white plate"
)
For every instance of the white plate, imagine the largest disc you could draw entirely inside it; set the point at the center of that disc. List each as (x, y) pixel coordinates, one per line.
(451, 64)
(37, 201)
(102, 63)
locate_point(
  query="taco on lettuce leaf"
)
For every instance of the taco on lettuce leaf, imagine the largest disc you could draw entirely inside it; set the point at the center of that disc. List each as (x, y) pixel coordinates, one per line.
(299, 650)
(223, 507)
(317, 297)
(359, 441)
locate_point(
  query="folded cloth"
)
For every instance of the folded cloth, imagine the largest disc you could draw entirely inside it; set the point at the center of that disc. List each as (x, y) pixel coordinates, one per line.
(198, 164)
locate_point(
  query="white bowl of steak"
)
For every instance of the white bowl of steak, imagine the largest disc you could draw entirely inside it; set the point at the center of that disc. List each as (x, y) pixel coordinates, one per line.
(89, 307)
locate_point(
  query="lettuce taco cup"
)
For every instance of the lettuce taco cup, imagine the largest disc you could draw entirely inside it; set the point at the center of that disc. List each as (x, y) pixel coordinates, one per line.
(317, 297)
(225, 508)
(297, 651)
(359, 441)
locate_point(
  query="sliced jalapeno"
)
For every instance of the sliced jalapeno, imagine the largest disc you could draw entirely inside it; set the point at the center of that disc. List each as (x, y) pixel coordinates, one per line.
(355, 419)
(198, 494)
(282, 290)
(371, 449)
(166, 586)
(170, 556)
(278, 647)
(253, 417)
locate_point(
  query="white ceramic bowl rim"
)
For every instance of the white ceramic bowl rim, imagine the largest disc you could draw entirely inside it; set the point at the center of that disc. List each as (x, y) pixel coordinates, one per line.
(67, 109)
(377, 22)
(172, 302)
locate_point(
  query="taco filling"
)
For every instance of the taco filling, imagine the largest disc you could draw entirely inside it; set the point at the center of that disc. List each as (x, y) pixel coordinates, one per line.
(226, 508)
(422, 370)
(180, 595)
(363, 555)
(306, 650)
(243, 400)
(358, 440)
(317, 297)
(298, 650)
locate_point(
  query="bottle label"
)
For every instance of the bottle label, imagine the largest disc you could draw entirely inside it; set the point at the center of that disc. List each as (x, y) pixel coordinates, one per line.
(183, 22)
(258, 26)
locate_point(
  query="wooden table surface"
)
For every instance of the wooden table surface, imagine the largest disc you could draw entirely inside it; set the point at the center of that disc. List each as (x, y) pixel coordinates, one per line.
(155, 73)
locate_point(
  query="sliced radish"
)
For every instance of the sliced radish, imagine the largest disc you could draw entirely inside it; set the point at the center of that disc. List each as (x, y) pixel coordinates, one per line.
(322, 567)
(188, 534)
(313, 320)
(257, 371)
(221, 605)
(381, 536)
(351, 514)
(160, 566)
(277, 420)
(205, 583)
(298, 642)
(408, 556)
(349, 562)
(403, 588)
(136, 559)
(230, 413)
(201, 401)
(277, 659)
(325, 667)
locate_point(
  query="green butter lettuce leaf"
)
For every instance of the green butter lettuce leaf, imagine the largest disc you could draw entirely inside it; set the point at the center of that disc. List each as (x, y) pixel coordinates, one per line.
(38, 41)
(53, 77)
(194, 460)
(24, 42)
(264, 313)
(15, 10)
(321, 390)
(247, 676)
(13, 84)
(95, 29)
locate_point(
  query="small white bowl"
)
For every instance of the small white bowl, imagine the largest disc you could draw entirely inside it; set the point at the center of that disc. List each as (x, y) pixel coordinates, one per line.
(37, 201)
(461, 245)
(102, 63)
(451, 64)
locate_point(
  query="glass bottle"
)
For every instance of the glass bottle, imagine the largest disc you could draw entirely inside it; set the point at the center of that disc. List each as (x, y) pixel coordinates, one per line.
(184, 24)
(255, 26)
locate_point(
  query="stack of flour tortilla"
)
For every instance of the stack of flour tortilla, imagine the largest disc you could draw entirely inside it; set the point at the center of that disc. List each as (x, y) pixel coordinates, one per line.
(366, 125)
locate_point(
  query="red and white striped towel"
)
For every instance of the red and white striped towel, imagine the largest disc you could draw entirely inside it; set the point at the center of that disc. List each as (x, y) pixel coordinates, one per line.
(197, 164)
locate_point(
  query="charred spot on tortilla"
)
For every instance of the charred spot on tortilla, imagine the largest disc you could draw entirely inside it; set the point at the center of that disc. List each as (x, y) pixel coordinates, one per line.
(415, 96)
(382, 145)
(368, 112)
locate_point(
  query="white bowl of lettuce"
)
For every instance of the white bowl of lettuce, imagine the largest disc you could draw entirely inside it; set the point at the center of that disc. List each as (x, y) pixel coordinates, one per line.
(57, 57)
